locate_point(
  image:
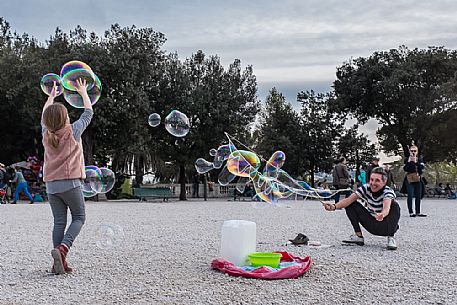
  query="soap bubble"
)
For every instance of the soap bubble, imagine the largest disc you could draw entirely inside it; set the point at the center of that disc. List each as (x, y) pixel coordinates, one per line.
(88, 194)
(107, 180)
(93, 181)
(98, 180)
(109, 236)
(74, 99)
(243, 163)
(73, 70)
(154, 120)
(202, 166)
(241, 184)
(212, 152)
(47, 83)
(222, 154)
(225, 177)
(177, 123)
(274, 164)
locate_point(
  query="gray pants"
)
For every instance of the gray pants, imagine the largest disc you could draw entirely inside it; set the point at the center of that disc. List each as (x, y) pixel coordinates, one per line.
(74, 200)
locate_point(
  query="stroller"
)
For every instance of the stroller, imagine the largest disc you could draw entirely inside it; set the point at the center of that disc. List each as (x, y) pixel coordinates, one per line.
(3, 199)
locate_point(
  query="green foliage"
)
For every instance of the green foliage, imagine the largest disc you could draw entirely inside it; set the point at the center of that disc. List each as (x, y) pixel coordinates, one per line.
(138, 78)
(405, 90)
(320, 131)
(277, 130)
(356, 147)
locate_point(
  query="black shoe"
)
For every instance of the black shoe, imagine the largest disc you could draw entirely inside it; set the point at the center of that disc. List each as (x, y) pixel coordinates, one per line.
(421, 215)
(31, 202)
(13, 202)
(300, 239)
(412, 215)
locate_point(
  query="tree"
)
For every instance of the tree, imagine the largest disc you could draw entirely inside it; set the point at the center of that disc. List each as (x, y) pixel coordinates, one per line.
(215, 100)
(403, 89)
(319, 131)
(356, 148)
(277, 130)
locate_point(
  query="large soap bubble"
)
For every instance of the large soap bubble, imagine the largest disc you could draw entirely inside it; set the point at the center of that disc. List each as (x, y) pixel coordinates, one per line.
(73, 70)
(222, 154)
(202, 166)
(154, 120)
(177, 123)
(97, 181)
(47, 83)
(73, 98)
(107, 178)
(92, 184)
(243, 163)
(109, 236)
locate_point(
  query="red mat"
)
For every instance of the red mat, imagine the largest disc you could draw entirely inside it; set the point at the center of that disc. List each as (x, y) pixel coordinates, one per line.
(265, 273)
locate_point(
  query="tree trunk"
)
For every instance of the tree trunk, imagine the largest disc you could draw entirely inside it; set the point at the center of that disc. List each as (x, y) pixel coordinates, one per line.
(312, 175)
(182, 182)
(205, 187)
(138, 170)
(88, 147)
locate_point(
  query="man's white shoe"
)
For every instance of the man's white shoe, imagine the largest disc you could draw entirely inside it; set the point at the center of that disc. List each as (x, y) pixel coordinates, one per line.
(391, 244)
(354, 239)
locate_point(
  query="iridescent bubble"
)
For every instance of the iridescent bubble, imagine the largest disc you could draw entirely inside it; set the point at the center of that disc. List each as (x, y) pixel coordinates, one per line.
(93, 181)
(243, 163)
(108, 178)
(73, 70)
(241, 184)
(212, 152)
(222, 154)
(225, 177)
(275, 162)
(154, 120)
(95, 168)
(202, 166)
(47, 83)
(109, 236)
(177, 123)
(88, 194)
(73, 98)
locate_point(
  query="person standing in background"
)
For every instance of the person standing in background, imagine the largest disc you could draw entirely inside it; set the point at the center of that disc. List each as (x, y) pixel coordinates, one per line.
(413, 181)
(341, 178)
(362, 177)
(374, 163)
(390, 176)
(21, 185)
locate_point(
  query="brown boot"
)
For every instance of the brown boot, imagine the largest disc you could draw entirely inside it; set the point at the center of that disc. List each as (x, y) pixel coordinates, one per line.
(59, 254)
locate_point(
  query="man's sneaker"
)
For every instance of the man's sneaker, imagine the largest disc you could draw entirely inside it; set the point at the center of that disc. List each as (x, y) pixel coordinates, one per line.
(391, 244)
(354, 239)
(421, 215)
(412, 215)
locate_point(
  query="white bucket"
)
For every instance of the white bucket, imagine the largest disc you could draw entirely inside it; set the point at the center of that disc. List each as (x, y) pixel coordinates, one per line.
(238, 241)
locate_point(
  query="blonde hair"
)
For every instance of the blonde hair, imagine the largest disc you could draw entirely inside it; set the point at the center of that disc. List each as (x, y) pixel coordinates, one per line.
(54, 118)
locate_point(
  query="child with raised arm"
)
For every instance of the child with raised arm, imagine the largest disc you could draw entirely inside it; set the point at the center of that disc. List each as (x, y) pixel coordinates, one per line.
(63, 171)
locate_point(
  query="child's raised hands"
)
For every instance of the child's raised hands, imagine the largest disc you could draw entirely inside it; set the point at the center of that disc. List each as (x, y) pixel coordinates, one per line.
(81, 86)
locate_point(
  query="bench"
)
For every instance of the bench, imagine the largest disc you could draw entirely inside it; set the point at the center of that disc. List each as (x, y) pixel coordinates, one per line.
(158, 192)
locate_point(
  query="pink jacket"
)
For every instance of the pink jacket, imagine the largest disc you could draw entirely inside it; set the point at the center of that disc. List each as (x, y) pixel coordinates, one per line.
(67, 160)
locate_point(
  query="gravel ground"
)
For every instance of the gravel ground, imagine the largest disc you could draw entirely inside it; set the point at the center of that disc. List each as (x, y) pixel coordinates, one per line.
(165, 256)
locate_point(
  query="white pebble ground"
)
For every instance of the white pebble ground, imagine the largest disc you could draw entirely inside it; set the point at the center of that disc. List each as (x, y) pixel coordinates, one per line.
(167, 249)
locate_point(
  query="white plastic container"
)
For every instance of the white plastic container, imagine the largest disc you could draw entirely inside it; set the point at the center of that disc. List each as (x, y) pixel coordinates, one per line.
(238, 241)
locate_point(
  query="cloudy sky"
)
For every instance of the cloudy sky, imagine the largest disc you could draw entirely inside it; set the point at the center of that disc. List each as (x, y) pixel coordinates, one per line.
(293, 45)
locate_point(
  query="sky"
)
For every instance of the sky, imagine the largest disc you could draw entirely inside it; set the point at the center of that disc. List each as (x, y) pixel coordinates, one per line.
(293, 45)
